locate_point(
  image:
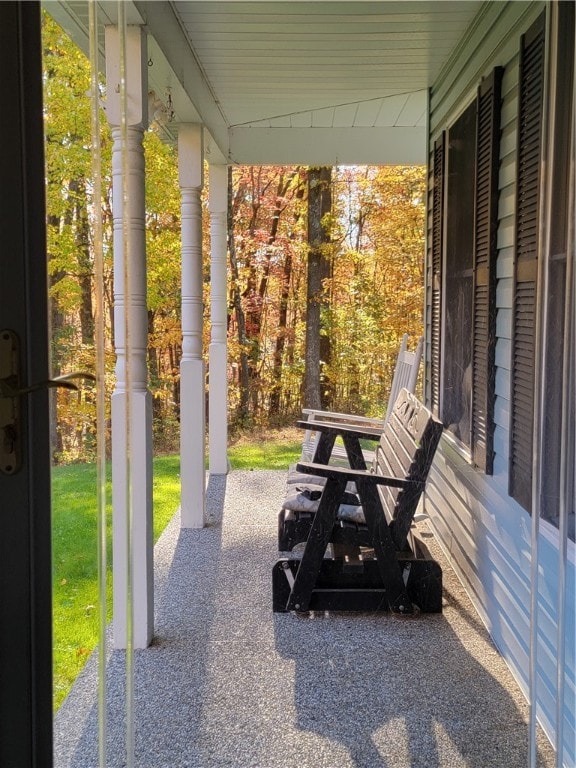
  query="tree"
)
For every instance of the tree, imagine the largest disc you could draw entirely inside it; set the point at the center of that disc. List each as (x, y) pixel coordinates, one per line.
(317, 387)
(244, 377)
(285, 281)
(70, 248)
(369, 289)
(378, 279)
(327, 309)
(68, 167)
(262, 244)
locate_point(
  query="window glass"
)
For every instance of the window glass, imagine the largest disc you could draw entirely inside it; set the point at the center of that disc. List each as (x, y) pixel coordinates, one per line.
(458, 276)
(558, 405)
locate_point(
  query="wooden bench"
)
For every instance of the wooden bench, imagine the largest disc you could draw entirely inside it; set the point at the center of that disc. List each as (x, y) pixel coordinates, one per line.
(405, 377)
(378, 562)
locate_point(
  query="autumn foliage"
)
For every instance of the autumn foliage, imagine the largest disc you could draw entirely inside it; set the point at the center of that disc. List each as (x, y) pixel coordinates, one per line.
(372, 288)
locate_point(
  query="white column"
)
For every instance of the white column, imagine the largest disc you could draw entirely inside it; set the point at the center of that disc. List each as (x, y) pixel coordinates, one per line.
(218, 379)
(131, 448)
(192, 373)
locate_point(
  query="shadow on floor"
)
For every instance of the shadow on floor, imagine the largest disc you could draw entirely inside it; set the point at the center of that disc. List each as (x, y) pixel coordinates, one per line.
(229, 684)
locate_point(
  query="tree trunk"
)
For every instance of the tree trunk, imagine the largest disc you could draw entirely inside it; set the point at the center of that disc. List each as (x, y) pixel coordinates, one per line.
(250, 295)
(255, 297)
(175, 354)
(57, 325)
(154, 374)
(85, 271)
(275, 395)
(317, 390)
(274, 407)
(244, 378)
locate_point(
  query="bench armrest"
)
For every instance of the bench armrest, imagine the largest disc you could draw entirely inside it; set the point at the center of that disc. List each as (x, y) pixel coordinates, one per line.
(365, 433)
(328, 471)
(350, 418)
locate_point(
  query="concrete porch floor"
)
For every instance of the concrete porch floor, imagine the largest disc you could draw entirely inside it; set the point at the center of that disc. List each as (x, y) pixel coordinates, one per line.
(227, 683)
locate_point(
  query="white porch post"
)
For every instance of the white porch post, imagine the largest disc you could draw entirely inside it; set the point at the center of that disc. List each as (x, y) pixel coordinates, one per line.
(218, 380)
(131, 370)
(192, 374)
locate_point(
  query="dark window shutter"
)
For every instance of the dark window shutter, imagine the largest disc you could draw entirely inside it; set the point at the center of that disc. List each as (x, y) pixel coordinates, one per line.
(485, 251)
(436, 287)
(531, 91)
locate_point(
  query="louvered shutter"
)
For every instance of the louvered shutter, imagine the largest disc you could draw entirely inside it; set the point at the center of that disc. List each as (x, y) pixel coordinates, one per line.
(436, 287)
(531, 91)
(485, 251)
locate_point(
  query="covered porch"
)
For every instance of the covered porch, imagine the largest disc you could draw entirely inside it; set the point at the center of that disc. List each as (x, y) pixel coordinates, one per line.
(316, 84)
(228, 683)
(225, 681)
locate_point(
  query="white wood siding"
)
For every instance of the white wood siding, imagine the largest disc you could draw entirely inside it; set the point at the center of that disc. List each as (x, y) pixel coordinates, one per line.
(486, 533)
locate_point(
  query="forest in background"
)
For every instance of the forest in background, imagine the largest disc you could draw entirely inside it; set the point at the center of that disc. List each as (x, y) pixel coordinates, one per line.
(325, 274)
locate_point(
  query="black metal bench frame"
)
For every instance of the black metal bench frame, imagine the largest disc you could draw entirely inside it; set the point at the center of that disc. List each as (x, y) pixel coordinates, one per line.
(382, 565)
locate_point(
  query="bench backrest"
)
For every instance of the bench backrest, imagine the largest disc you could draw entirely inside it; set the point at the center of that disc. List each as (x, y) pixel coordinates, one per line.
(406, 450)
(405, 375)
(406, 371)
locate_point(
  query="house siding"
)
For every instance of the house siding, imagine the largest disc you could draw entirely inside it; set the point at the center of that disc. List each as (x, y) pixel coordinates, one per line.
(487, 534)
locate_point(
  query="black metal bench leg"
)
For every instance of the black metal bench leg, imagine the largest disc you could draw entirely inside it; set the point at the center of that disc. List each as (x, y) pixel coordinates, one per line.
(385, 551)
(316, 544)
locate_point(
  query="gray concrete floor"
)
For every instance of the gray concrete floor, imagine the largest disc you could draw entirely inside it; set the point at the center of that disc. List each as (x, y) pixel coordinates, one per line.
(227, 683)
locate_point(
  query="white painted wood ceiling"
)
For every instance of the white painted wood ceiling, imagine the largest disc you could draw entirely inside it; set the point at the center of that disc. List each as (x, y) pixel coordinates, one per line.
(322, 63)
(334, 81)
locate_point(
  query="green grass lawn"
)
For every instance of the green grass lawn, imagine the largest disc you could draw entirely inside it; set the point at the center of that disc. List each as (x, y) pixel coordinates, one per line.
(75, 564)
(267, 450)
(74, 537)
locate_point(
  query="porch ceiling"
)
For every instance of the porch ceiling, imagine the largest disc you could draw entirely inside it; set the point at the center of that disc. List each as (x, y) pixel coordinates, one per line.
(297, 82)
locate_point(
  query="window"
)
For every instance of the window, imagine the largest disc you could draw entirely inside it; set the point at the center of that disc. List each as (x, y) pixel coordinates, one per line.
(458, 269)
(558, 369)
(462, 276)
(554, 247)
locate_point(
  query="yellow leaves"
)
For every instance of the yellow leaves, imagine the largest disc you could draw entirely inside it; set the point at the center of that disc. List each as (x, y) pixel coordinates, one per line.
(377, 282)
